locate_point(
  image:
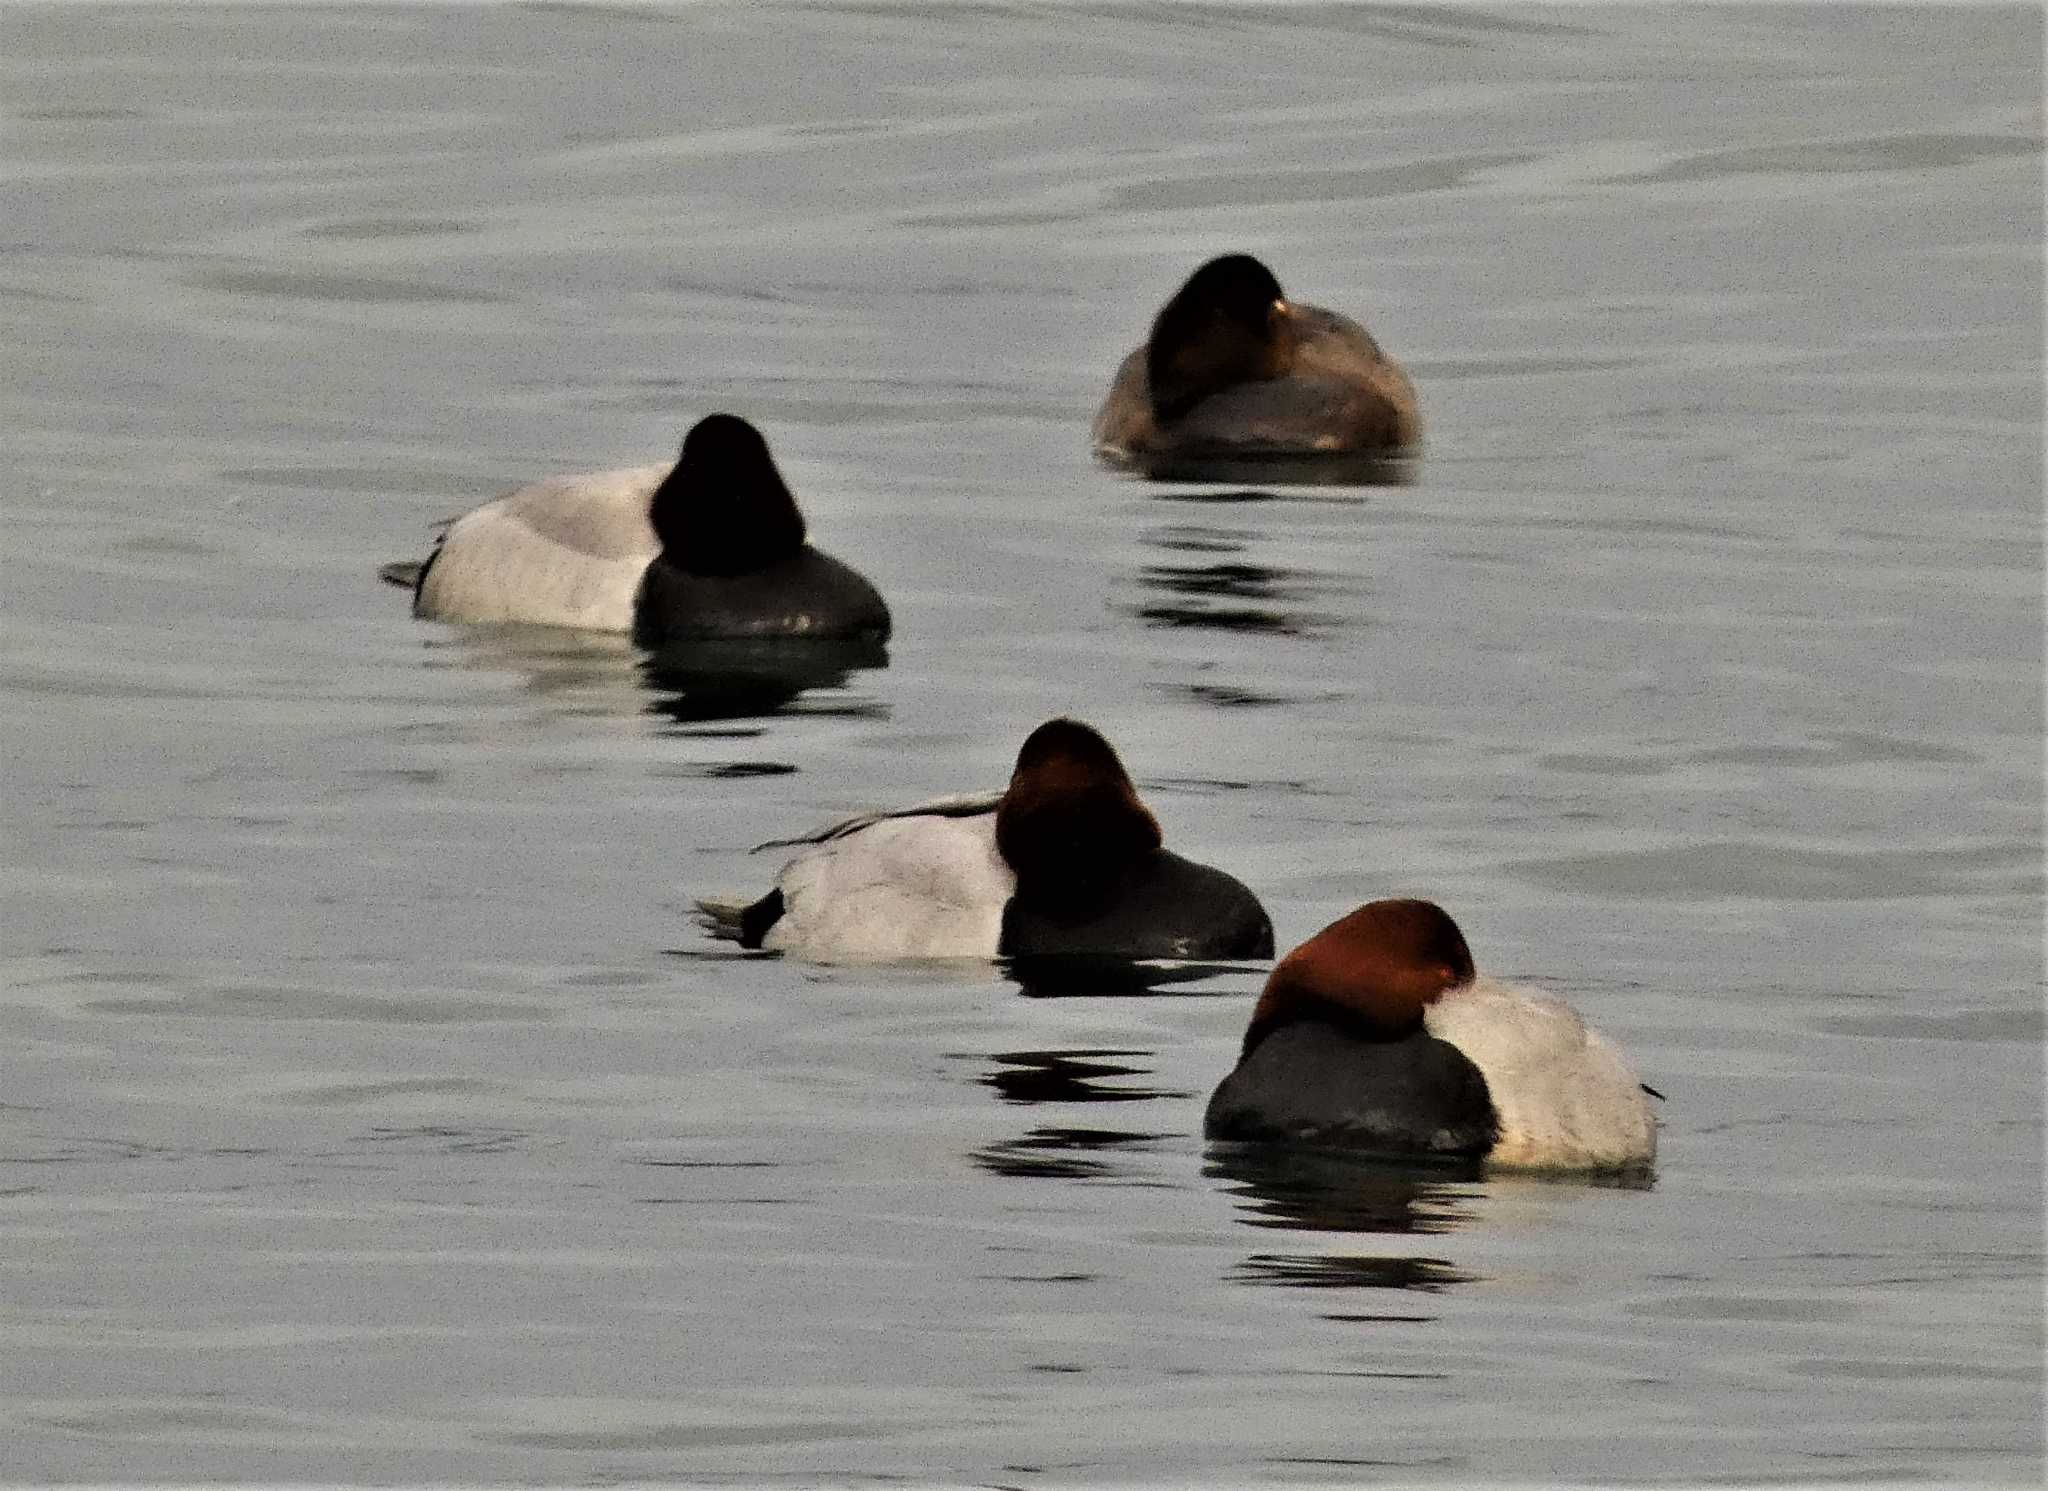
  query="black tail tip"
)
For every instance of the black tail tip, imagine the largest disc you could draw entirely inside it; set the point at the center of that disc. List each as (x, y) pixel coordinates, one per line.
(759, 917)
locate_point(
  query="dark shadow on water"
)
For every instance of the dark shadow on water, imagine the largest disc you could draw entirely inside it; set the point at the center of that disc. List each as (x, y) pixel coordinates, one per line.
(690, 682)
(1068, 1077)
(1225, 697)
(694, 682)
(1284, 471)
(1207, 584)
(1302, 1188)
(1066, 1154)
(1311, 1271)
(1211, 584)
(1083, 976)
(1307, 1190)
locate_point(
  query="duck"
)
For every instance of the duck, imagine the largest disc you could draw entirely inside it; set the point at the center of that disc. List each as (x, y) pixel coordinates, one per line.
(712, 546)
(1235, 370)
(1065, 860)
(1378, 1034)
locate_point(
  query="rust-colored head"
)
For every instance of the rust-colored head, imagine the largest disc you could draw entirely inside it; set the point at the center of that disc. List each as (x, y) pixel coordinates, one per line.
(1372, 971)
(1230, 323)
(1070, 823)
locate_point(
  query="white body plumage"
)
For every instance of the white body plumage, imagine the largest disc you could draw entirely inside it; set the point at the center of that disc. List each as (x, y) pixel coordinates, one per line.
(1565, 1097)
(568, 551)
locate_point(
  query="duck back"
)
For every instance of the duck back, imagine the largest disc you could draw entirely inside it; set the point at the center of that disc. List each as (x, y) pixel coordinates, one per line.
(920, 886)
(569, 551)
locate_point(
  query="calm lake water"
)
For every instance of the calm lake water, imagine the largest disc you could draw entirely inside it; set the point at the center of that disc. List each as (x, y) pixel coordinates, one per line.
(371, 1109)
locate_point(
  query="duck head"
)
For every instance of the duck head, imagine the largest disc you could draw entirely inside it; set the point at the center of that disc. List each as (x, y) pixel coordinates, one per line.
(1230, 323)
(1070, 823)
(724, 509)
(1372, 972)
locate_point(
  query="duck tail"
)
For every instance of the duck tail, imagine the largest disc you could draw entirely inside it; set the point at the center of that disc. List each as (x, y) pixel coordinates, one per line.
(744, 922)
(721, 916)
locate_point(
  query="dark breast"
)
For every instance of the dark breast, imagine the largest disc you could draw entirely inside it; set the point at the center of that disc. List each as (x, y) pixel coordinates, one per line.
(1167, 908)
(806, 596)
(1309, 1082)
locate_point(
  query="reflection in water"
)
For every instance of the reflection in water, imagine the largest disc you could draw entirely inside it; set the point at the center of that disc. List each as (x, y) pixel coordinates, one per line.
(726, 771)
(1223, 592)
(1289, 471)
(556, 661)
(1360, 1271)
(1238, 582)
(1063, 1154)
(605, 673)
(1226, 697)
(696, 681)
(1322, 1190)
(1068, 1077)
(1084, 975)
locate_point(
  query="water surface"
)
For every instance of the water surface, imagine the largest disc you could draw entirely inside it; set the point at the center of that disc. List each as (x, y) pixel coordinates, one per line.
(371, 1110)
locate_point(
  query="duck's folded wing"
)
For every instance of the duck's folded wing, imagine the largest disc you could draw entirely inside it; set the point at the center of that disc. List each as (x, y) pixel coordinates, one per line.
(927, 885)
(953, 805)
(569, 551)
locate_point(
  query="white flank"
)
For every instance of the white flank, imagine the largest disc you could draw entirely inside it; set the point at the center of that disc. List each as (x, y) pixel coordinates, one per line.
(1567, 1100)
(568, 551)
(895, 887)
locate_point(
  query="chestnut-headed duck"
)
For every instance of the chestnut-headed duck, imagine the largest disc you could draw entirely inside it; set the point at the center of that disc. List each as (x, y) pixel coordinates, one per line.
(1065, 860)
(1377, 1034)
(1234, 370)
(711, 547)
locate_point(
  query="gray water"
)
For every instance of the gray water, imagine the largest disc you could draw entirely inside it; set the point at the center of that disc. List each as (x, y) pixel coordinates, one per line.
(370, 1108)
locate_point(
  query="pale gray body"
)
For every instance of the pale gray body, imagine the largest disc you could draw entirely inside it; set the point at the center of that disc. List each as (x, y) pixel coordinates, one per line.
(568, 551)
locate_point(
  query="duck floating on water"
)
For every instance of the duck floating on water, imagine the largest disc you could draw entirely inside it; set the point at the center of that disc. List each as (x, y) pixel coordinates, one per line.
(1235, 371)
(1378, 1034)
(712, 547)
(1066, 860)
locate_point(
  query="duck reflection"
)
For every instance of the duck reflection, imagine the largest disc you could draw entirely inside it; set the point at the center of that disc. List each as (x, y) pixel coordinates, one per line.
(1069, 1077)
(574, 672)
(1064, 1154)
(1069, 1151)
(1305, 470)
(1423, 1275)
(1089, 976)
(1308, 1190)
(593, 673)
(1319, 1190)
(1209, 584)
(694, 682)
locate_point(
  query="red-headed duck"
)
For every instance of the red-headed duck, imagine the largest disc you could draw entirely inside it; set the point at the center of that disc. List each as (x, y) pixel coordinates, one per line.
(1234, 370)
(1066, 860)
(711, 547)
(1377, 1034)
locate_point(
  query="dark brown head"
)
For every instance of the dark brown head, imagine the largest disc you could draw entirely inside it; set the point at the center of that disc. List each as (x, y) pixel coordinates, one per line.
(724, 509)
(1372, 972)
(1070, 824)
(1228, 324)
